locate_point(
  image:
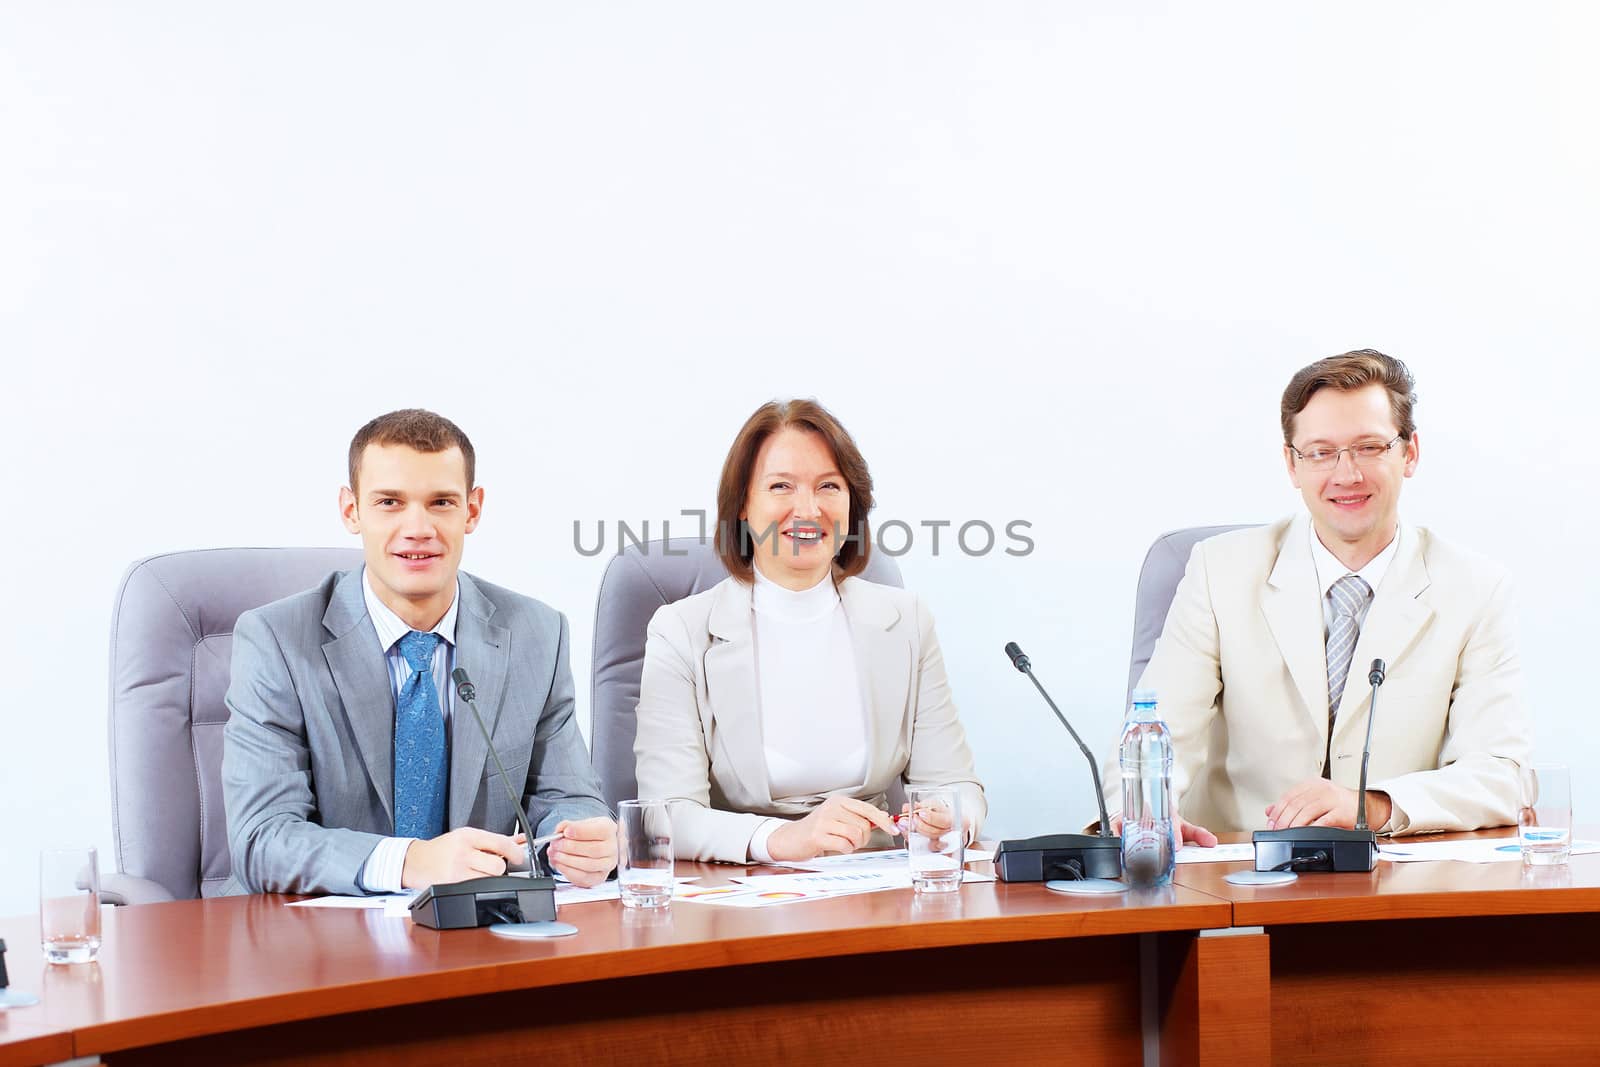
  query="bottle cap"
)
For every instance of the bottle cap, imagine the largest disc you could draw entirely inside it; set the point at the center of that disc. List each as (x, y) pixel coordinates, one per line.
(1144, 696)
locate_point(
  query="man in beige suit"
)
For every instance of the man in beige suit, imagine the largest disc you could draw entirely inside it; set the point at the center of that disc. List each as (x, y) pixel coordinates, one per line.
(1262, 666)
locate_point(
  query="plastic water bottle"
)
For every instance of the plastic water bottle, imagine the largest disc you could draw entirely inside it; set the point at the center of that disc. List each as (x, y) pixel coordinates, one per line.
(1146, 756)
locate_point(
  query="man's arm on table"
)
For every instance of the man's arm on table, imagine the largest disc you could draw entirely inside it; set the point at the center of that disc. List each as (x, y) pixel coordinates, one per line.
(1487, 736)
(562, 793)
(273, 839)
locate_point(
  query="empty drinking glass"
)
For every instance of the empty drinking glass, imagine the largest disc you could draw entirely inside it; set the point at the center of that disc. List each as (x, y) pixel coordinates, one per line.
(1544, 819)
(934, 838)
(644, 853)
(69, 905)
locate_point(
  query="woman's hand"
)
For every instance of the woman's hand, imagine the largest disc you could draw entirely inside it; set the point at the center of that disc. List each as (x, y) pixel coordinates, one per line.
(932, 821)
(838, 824)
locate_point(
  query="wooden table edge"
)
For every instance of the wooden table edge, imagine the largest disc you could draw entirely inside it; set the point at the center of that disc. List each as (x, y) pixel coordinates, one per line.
(1466, 904)
(488, 978)
(39, 1048)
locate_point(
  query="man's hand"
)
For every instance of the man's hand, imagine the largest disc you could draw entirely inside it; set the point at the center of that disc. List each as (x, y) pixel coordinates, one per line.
(586, 851)
(1318, 802)
(1186, 832)
(838, 824)
(457, 856)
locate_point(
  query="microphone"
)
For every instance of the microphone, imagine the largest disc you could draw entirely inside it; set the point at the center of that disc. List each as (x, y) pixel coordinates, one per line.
(1020, 661)
(509, 906)
(468, 694)
(1068, 857)
(1374, 678)
(1328, 848)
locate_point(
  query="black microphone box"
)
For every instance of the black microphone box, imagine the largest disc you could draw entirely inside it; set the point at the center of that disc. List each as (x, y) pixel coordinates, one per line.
(485, 902)
(1323, 848)
(1041, 859)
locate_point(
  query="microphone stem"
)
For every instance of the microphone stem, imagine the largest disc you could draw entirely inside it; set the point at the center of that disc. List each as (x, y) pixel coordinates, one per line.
(1099, 792)
(516, 804)
(1366, 754)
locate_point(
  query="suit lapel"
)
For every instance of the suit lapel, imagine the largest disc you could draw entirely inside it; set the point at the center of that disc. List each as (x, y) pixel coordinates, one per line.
(1392, 626)
(483, 649)
(884, 670)
(1293, 608)
(362, 678)
(732, 692)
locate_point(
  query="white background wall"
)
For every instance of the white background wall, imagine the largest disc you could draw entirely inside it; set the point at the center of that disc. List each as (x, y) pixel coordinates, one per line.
(1048, 262)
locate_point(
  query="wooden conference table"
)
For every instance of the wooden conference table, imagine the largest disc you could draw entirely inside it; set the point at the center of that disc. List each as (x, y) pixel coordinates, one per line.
(1423, 962)
(994, 973)
(1413, 963)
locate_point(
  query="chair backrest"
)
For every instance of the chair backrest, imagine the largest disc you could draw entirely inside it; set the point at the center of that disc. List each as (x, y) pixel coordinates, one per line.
(637, 581)
(171, 647)
(1158, 581)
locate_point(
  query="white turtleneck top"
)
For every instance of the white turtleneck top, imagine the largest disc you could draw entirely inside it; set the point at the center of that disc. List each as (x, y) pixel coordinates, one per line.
(813, 721)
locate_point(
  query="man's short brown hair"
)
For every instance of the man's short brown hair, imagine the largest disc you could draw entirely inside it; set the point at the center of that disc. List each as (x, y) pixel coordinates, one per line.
(1352, 370)
(416, 429)
(734, 545)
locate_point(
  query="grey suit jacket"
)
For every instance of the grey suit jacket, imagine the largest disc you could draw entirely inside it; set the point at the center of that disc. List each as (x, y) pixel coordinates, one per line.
(308, 753)
(699, 726)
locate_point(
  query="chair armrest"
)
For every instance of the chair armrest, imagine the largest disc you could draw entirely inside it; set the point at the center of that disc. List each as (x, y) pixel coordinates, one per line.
(130, 889)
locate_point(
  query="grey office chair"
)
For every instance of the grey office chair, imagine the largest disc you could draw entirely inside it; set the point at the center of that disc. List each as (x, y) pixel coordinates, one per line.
(637, 581)
(1158, 581)
(171, 647)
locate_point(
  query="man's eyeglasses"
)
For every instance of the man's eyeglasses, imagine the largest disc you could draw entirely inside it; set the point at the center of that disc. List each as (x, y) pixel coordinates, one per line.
(1362, 454)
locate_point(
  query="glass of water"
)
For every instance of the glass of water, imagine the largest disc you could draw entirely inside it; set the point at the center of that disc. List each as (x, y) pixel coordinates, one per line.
(69, 905)
(934, 838)
(1544, 818)
(644, 853)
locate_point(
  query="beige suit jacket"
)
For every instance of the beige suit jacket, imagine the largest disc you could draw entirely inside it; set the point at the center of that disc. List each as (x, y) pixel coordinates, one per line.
(699, 743)
(1241, 675)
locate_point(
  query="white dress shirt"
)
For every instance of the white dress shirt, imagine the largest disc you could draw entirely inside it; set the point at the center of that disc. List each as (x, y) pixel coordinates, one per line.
(813, 720)
(382, 871)
(1330, 570)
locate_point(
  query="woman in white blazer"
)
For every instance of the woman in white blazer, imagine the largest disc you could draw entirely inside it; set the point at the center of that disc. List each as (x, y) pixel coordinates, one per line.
(779, 706)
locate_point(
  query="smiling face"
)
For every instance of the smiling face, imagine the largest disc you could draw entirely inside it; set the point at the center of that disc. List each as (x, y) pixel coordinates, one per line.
(413, 511)
(797, 508)
(1354, 508)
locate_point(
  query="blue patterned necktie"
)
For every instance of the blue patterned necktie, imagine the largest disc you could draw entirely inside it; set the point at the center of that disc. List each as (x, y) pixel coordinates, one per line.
(420, 767)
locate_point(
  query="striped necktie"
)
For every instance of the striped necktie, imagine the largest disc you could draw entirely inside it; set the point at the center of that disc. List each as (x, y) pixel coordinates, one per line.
(1349, 595)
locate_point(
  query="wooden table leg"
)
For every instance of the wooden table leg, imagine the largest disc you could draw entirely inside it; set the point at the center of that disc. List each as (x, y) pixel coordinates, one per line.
(1216, 997)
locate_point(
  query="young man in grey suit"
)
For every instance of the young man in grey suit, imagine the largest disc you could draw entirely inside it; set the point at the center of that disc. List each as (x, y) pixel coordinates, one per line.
(349, 765)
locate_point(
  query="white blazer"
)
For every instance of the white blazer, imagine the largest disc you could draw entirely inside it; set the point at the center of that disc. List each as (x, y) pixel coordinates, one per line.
(699, 743)
(1241, 675)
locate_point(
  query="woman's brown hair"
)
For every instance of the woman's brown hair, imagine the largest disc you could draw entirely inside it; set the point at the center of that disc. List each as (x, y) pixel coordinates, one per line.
(733, 538)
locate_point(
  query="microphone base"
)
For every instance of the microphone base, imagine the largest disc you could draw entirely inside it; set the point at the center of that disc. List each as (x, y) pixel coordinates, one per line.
(1051, 857)
(1346, 851)
(485, 902)
(533, 931)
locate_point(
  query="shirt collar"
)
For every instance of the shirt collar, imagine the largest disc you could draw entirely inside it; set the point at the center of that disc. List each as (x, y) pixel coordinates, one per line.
(1330, 570)
(774, 601)
(392, 628)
